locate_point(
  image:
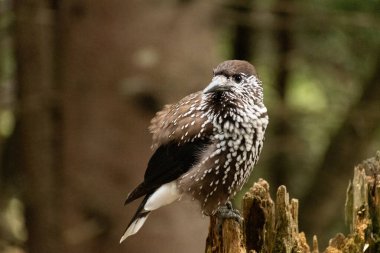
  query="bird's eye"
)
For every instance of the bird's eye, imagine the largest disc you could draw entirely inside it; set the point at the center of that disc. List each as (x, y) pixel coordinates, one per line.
(237, 78)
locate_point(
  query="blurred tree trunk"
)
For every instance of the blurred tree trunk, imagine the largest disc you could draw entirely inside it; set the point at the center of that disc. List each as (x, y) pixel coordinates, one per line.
(91, 74)
(40, 126)
(243, 34)
(279, 125)
(359, 126)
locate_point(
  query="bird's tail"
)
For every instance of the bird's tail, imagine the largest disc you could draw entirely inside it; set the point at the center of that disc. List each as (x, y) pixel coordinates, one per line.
(137, 221)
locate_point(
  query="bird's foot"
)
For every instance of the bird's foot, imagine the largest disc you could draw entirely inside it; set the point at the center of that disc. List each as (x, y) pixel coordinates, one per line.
(228, 212)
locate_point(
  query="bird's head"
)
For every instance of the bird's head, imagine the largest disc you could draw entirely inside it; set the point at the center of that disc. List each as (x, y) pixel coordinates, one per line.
(236, 77)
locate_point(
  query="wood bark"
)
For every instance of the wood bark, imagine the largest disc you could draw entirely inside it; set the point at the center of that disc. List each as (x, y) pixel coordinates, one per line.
(272, 226)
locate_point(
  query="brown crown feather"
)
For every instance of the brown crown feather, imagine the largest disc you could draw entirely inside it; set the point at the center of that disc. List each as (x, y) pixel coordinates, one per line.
(232, 67)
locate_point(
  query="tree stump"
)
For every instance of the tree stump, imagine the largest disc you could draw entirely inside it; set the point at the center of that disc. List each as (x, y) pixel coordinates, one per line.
(272, 226)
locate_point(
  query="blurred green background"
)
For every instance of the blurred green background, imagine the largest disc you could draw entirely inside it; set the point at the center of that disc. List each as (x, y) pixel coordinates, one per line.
(80, 80)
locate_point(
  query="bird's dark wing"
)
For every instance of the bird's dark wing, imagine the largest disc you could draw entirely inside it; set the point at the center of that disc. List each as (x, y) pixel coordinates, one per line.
(168, 163)
(179, 134)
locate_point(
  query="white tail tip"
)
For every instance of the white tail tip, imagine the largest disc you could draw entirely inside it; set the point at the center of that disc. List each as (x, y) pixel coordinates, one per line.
(134, 227)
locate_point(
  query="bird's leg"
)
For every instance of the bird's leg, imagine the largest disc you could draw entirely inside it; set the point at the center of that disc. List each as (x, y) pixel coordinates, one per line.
(227, 212)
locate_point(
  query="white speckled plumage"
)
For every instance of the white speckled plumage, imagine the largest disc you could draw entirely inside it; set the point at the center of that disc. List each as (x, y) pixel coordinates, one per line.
(238, 128)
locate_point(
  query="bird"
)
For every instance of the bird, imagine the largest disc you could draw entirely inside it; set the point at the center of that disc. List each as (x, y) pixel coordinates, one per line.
(206, 145)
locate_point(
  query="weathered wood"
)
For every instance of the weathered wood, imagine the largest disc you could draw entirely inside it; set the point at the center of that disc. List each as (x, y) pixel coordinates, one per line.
(272, 227)
(362, 211)
(265, 228)
(224, 236)
(258, 214)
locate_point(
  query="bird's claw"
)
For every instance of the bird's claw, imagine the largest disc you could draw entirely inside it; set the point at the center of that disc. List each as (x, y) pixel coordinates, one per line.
(228, 212)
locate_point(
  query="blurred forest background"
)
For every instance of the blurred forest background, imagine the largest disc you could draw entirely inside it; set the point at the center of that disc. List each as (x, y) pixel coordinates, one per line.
(81, 79)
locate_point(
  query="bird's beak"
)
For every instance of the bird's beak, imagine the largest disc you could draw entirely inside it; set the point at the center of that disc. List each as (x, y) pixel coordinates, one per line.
(218, 83)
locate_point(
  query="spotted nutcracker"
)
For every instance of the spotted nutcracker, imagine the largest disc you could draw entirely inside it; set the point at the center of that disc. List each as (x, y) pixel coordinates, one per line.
(206, 145)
